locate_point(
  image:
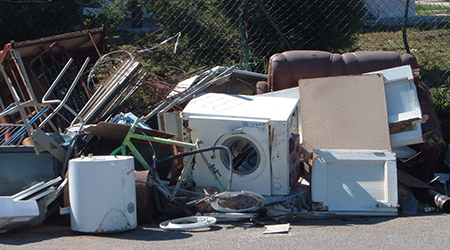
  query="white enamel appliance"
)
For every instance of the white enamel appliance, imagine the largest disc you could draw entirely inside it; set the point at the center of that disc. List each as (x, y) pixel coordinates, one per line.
(258, 130)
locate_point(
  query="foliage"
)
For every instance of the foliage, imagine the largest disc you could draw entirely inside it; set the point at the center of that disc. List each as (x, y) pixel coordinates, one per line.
(110, 14)
(201, 34)
(211, 25)
(38, 19)
(428, 46)
(306, 24)
(441, 100)
(423, 9)
(216, 32)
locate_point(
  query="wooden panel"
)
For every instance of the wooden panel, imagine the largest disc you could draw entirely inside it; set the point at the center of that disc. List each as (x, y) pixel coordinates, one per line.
(344, 112)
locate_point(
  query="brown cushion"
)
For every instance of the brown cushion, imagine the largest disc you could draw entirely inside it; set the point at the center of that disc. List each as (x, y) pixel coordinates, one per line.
(367, 61)
(285, 69)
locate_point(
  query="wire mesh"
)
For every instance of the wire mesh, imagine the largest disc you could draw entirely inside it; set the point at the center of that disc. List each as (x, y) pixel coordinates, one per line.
(174, 39)
(246, 33)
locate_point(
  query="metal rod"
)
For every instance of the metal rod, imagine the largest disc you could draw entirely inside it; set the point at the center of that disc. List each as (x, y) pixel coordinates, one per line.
(100, 97)
(183, 96)
(63, 71)
(23, 74)
(67, 96)
(17, 101)
(111, 88)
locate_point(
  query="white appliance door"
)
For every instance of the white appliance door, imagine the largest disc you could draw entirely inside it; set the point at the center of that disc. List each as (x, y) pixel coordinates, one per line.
(248, 140)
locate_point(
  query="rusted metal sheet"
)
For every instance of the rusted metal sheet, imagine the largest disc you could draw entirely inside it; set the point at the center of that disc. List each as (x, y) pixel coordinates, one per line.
(73, 41)
(145, 200)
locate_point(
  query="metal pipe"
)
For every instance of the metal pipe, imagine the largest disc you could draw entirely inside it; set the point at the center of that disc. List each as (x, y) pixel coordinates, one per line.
(27, 83)
(67, 96)
(18, 104)
(114, 88)
(432, 198)
(101, 93)
(101, 99)
(23, 74)
(55, 82)
(207, 81)
(122, 97)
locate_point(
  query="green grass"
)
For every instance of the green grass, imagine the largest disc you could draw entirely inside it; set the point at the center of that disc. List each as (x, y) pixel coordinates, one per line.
(430, 47)
(423, 9)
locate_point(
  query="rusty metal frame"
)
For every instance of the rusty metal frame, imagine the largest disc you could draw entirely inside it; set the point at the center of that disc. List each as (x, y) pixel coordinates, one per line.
(69, 45)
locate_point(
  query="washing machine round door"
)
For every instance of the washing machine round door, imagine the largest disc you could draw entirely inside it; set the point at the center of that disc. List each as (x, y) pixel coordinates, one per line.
(249, 157)
(248, 139)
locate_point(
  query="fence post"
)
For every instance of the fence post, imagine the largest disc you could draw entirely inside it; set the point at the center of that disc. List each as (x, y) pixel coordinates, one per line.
(244, 39)
(261, 6)
(405, 23)
(136, 16)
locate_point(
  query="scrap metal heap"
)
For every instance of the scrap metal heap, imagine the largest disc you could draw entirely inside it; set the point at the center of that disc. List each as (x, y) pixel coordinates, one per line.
(356, 134)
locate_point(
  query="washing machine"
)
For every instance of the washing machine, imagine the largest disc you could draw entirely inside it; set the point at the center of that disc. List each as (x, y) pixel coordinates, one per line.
(259, 130)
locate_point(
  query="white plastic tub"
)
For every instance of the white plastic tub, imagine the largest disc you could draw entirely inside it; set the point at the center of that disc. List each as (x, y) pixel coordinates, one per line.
(102, 194)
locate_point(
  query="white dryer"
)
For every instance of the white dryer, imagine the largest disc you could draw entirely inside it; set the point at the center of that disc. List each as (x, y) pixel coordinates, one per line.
(257, 129)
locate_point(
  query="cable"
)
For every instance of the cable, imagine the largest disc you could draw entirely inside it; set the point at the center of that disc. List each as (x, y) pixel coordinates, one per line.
(230, 161)
(178, 208)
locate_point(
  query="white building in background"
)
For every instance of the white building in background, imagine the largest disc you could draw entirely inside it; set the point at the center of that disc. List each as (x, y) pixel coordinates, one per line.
(389, 8)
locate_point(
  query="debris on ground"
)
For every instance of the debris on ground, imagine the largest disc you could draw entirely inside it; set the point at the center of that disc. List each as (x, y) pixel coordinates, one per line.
(352, 136)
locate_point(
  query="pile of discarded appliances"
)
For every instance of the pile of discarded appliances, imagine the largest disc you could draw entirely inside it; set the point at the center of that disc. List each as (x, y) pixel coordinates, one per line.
(310, 137)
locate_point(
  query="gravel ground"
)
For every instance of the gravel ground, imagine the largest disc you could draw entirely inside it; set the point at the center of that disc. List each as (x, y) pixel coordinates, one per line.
(421, 231)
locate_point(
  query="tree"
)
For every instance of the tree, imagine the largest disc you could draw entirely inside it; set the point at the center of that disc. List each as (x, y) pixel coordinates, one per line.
(21, 20)
(223, 31)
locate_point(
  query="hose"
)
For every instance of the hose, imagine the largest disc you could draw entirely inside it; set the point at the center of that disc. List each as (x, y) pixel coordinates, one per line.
(230, 162)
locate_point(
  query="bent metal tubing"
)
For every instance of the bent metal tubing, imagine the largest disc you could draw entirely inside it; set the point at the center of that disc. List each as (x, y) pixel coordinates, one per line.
(128, 144)
(159, 185)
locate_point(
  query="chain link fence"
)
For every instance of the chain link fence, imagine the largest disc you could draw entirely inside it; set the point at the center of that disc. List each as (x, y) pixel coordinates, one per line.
(174, 39)
(178, 36)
